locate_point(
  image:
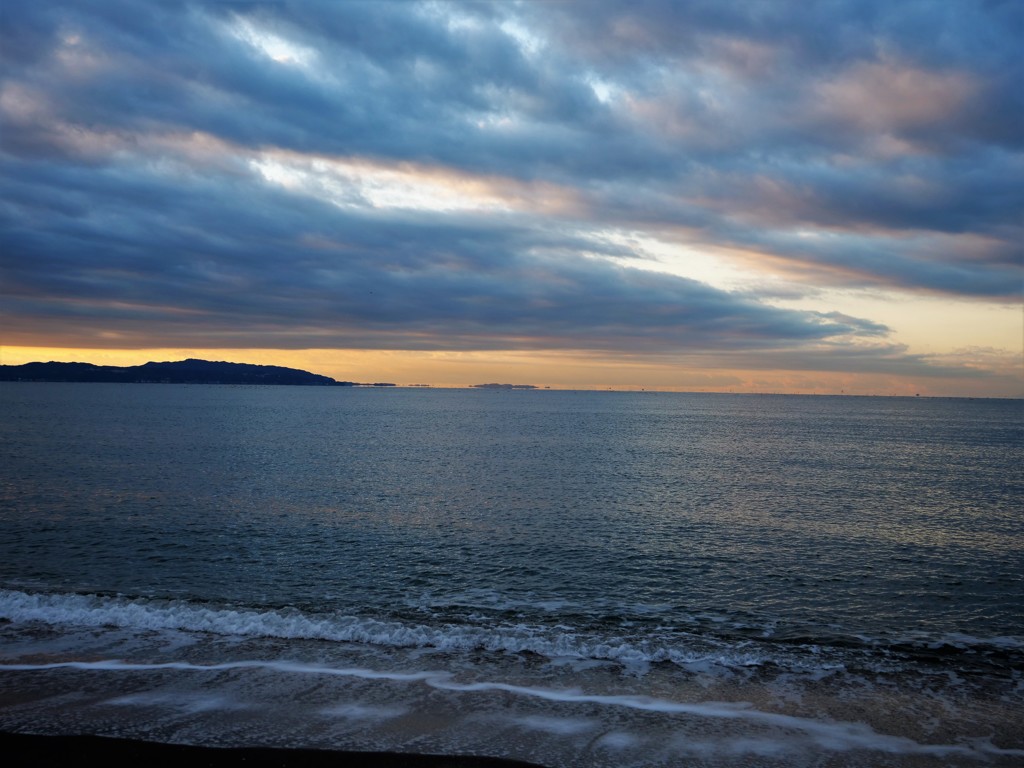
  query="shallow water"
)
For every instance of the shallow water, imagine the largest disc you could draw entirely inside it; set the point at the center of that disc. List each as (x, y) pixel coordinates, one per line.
(572, 578)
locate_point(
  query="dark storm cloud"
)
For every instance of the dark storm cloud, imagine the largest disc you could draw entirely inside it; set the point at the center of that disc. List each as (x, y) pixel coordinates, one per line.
(131, 206)
(119, 255)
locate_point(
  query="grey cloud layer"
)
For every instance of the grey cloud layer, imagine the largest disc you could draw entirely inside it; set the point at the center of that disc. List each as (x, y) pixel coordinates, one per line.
(891, 130)
(291, 265)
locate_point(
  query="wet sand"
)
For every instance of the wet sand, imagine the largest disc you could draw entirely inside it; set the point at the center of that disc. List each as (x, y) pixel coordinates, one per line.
(33, 750)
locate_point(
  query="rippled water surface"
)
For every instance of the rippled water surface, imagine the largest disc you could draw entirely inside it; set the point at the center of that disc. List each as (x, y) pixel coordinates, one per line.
(719, 535)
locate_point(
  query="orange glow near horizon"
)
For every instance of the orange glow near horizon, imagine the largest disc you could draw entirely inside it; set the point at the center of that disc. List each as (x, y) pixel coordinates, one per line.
(552, 369)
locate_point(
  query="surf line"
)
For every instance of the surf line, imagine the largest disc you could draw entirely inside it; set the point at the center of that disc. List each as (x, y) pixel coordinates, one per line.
(830, 735)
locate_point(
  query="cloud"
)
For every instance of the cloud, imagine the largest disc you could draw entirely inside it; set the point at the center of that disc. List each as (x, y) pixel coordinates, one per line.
(127, 252)
(451, 175)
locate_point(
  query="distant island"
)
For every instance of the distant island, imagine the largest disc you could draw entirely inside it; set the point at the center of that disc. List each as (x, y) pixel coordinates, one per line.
(191, 371)
(502, 386)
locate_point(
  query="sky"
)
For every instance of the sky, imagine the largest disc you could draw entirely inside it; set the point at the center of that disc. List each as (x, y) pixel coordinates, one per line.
(756, 196)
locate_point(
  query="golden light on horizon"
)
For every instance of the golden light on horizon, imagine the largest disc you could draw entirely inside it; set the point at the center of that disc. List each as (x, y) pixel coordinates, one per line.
(554, 369)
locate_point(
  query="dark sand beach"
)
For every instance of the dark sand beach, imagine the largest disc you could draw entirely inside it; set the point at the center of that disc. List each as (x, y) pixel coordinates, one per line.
(23, 749)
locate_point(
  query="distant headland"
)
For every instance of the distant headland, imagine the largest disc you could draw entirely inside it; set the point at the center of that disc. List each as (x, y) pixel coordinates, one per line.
(503, 386)
(191, 371)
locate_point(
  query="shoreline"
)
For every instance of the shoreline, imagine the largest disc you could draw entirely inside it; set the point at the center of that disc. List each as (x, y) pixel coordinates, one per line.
(30, 749)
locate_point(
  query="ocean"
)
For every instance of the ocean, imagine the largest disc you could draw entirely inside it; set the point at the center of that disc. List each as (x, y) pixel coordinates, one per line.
(572, 578)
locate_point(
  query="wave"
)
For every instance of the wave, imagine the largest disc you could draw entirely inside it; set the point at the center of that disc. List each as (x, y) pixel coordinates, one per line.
(292, 624)
(833, 736)
(808, 653)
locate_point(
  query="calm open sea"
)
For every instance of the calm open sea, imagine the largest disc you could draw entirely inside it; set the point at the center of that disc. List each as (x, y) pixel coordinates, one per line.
(574, 578)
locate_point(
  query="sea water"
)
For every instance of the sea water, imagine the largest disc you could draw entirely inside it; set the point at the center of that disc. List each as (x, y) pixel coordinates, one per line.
(574, 578)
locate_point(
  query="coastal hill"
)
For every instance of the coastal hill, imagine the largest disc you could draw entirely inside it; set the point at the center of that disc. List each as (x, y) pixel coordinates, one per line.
(503, 386)
(189, 371)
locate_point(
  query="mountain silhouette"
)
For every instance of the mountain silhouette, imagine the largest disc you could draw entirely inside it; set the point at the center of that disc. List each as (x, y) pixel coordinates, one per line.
(191, 371)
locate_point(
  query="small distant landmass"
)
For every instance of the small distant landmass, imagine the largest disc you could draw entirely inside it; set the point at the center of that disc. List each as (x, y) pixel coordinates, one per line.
(503, 386)
(191, 371)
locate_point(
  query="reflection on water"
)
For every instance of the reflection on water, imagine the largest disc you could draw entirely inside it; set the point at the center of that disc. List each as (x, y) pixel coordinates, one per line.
(835, 560)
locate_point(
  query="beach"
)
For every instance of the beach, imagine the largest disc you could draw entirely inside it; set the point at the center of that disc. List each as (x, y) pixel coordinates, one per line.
(22, 749)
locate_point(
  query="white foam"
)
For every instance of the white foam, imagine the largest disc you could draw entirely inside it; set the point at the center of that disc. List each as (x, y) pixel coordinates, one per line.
(824, 734)
(357, 711)
(617, 740)
(96, 611)
(960, 640)
(704, 657)
(560, 726)
(186, 702)
(733, 747)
